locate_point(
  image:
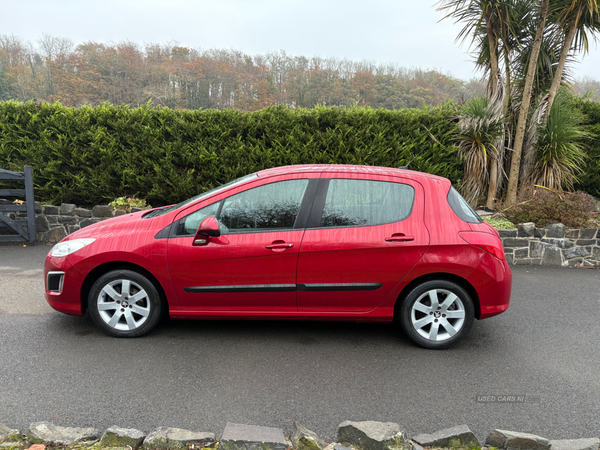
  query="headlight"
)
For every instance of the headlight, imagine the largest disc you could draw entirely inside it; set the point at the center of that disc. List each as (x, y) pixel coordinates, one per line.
(66, 248)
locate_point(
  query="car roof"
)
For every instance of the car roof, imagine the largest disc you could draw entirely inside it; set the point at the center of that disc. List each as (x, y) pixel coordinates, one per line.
(346, 168)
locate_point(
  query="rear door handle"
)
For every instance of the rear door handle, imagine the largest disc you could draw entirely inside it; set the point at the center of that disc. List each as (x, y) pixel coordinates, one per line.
(279, 245)
(399, 237)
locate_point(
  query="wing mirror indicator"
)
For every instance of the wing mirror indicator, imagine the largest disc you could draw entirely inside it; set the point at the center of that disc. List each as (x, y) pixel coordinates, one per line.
(207, 229)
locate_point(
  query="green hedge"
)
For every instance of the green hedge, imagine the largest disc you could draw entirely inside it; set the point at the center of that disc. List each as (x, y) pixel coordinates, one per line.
(90, 156)
(590, 180)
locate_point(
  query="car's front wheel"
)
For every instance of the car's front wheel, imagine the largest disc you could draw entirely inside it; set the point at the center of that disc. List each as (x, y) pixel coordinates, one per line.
(124, 303)
(437, 314)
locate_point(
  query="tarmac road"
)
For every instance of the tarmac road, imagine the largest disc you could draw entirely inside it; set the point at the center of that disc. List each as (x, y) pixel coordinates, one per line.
(200, 374)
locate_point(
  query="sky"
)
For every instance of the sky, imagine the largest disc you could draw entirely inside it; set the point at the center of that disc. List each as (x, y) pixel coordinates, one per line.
(404, 32)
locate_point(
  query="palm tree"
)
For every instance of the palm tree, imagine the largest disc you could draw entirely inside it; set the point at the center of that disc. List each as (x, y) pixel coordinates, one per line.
(576, 18)
(515, 166)
(481, 142)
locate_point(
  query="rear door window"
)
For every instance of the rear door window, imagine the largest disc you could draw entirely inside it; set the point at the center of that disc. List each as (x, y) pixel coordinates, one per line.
(354, 202)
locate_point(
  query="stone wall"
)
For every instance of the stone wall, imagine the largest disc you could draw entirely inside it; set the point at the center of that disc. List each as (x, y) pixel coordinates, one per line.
(55, 222)
(553, 245)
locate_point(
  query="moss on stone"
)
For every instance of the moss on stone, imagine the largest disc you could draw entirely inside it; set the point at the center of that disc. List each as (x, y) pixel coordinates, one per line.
(307, 444)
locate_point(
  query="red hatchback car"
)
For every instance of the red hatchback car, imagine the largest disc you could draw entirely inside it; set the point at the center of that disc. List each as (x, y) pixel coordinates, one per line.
(322, 242)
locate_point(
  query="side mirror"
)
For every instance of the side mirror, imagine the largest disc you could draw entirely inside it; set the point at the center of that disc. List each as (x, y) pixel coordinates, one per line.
(208, 228)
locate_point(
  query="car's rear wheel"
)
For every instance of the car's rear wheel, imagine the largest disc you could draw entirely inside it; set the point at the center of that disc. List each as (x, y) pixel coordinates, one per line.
(124, 303)
(437, 314)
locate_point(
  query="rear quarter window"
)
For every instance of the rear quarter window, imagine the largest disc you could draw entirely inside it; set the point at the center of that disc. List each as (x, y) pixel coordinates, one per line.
(461, 208)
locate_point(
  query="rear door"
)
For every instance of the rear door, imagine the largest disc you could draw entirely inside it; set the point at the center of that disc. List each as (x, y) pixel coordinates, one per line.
(364, 234)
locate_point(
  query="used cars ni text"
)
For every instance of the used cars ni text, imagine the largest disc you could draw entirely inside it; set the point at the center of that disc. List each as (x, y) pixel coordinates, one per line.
(311, 242)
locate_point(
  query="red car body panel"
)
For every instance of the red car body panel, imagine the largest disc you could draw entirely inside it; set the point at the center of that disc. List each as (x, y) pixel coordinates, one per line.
(318, 255)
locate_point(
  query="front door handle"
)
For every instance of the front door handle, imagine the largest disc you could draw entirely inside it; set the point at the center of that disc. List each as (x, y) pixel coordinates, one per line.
(399, 237)
(279, 245)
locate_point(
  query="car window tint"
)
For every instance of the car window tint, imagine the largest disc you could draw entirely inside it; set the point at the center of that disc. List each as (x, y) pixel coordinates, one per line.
(365, 202)
(189, 224)
(270, 206)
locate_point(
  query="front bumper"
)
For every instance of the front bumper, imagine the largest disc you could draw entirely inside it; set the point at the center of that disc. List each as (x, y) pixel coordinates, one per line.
(66, 297)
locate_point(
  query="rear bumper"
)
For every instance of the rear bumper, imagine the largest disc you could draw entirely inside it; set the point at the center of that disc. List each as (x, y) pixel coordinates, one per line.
(492, 279)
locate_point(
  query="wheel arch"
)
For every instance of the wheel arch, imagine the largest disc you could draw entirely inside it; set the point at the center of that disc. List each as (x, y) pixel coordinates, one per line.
(97, 272)
(439, 276)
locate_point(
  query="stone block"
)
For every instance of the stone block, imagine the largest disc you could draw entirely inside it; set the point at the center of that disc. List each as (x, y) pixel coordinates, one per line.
(560, 243)
(72, 228)
(510, 258)
(523, 262)
(304, 439)
(536, 249)
(596, 252)
(552, 257)
(575, 252)
(169, 438)
(575, 444)
(67, 220)
(52, 219)
(526, 229)
(515, 243)
(539, 233)
(588, 233)
(82, 212)
(134, 209)
(536, 261)
(120, 212)
(572, 233)
(555, 230)
(122, 437)
(516, 441)
(573, 262)
(86, 222)
(41, 224)
(586, 242)
(54, 235)
(455, 437)
(102, 211)
(507, 233)
(67, 209)
(51, 210)
(372, 435)
(48, 433)
(250, 437)
(37, 208)
(521, 253)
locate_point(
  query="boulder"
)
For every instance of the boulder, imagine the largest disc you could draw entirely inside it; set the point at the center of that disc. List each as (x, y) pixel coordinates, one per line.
(54, 235)
(122, 437)
(51, 210)
(165, 437)
(82, 212)
(250, 437)
(455, 437)
(526, 229)
(372, 435)
(555, 230)
(9, 434)
(516, 441)
(48, 433)
(304, 439)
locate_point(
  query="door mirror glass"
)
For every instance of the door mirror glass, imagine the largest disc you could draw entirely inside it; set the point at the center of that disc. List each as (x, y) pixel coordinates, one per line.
(208, 228)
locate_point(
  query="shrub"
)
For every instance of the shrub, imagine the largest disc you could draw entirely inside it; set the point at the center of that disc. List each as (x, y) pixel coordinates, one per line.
(543, 207)
(500, 224)
(126, 203)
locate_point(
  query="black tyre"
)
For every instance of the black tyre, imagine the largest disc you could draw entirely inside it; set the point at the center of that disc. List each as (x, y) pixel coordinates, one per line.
(124, 303)
(437, 314)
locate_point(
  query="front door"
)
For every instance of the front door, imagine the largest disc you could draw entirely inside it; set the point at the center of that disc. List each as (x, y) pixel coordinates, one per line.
(252, 265)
